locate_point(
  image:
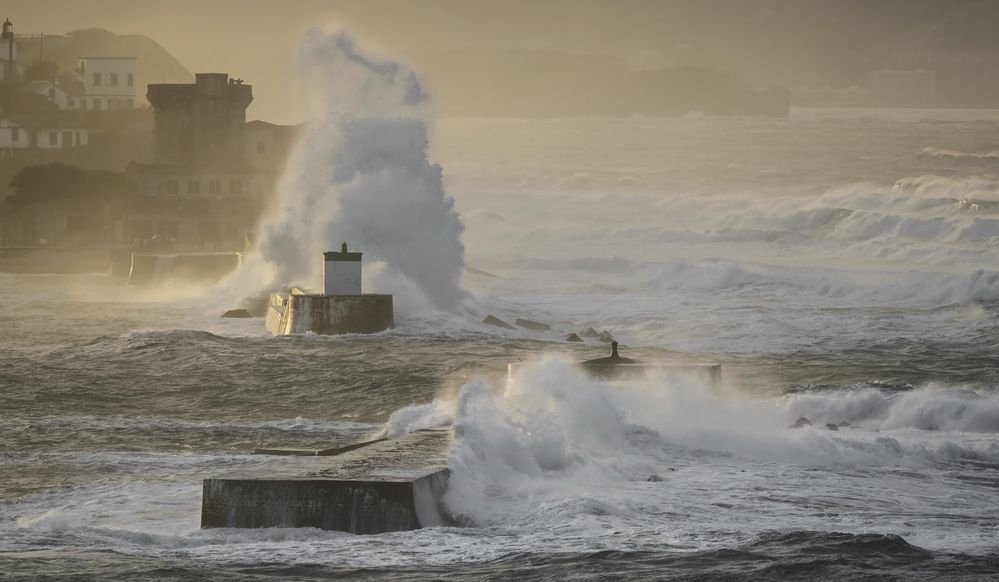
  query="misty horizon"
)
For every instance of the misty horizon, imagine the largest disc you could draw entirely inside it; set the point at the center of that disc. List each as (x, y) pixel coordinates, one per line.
(811, 45)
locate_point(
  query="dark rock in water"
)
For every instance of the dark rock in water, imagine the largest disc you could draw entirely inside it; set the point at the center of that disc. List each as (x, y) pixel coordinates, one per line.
(532, 325)
(605, 337)
(496, 322)
(590, 332)
(257, 304)
(573, 338)
(654, 479)
(801, 422)
(844, 424)
(832, 426)
(237, 314)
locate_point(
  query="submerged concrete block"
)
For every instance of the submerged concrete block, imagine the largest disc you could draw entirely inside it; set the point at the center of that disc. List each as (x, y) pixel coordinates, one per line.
(496, 322)
(237, 314)
(708, 372)
(532, 325)
(388, 485)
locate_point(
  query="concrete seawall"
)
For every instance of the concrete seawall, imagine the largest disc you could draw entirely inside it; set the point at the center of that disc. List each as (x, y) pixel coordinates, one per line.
(154, 268)
(297, 313)
(389, 485)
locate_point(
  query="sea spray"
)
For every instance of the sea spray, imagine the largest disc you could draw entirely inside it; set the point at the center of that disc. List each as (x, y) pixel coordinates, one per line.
(554, 436)
(360, 174)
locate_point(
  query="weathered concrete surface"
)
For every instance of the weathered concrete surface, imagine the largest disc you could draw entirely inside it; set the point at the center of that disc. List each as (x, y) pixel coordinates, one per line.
(496, 322)
(532, 325)
(388, 485)
(709, 372)
(153, 268)
(297, 312)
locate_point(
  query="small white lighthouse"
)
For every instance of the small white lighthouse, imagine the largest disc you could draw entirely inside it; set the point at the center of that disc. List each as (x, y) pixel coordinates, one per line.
(341, 272)
(341, 308)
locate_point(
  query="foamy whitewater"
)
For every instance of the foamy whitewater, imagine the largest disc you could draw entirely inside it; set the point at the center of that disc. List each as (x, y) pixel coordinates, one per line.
(841, 266)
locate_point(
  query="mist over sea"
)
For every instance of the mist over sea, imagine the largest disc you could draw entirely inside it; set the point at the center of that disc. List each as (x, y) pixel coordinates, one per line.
(840, 265)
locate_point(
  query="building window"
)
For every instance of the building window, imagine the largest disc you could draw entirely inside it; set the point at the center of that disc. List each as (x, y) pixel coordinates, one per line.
(83, 103)
(72, 103)
(235, 187)
(97, 79)
(131, 80)
(15, 134)
(214, 187)
(261, 147)
(114, 79)
(53, 138)
(193, 187)
(171, 187)
(97, 103)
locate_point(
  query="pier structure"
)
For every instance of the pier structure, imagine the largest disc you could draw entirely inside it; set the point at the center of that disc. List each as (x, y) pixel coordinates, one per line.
(341, 308)
(382, 486)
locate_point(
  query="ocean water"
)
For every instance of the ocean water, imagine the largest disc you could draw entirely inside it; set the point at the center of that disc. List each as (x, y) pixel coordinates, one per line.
(841, 266)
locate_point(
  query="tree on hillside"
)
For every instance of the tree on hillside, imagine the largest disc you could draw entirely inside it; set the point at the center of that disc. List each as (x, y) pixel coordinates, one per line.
(42, 71)
(55, 181)
(15, 101)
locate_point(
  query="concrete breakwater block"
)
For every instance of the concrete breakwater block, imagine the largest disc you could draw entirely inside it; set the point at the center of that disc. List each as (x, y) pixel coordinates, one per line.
(496, 322)
(532, 325)
(237, 314)
(297, 312)
(709, 372)
(387, 485)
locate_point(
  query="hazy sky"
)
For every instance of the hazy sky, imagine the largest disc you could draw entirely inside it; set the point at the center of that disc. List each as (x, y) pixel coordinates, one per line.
(806, 42)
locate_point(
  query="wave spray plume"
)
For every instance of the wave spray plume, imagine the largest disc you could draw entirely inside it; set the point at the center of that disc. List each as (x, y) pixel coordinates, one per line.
(361, 174)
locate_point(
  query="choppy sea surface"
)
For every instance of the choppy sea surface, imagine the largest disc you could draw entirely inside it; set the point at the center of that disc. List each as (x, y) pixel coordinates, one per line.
(842, 266)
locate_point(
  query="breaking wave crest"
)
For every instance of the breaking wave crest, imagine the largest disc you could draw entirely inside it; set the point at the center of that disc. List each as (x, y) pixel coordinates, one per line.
(554, 432)
(935, 152)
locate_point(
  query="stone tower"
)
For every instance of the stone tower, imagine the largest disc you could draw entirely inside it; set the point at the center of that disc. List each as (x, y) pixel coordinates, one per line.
(201, 124)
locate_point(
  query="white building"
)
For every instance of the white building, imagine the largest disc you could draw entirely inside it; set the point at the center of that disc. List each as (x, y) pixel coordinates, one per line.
(341, 272)
(57, 137)
(48, 135)
(108, 83)
(12, 136)
(47, 89)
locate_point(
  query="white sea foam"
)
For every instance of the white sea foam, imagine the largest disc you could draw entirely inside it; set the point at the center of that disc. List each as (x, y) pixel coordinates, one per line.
(552, 430)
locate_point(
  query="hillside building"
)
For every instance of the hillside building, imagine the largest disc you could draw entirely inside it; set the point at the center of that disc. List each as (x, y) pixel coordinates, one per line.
(37, 132)
(108, 83)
